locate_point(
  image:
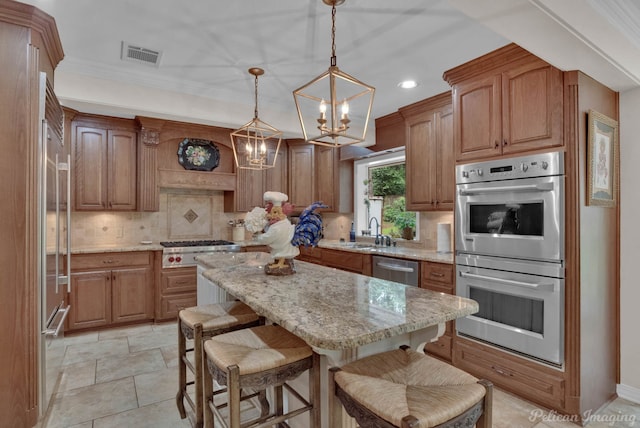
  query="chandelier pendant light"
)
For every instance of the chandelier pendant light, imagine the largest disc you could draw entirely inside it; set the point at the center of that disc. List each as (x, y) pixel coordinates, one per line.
(334, 108)
(256, 143)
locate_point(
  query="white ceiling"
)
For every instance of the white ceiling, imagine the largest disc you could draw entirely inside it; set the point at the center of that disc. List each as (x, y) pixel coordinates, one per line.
(207, 47)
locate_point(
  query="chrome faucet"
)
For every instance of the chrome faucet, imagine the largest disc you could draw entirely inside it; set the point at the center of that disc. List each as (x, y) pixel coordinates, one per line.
(377, 241)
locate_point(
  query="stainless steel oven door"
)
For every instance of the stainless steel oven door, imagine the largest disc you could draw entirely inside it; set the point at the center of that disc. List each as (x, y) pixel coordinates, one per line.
(521, 218)
(518, 311)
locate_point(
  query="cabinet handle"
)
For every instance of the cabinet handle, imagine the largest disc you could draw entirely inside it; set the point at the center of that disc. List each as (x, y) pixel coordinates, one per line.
(109, 261)
(182, 282)
(501, 372)
(438, 274)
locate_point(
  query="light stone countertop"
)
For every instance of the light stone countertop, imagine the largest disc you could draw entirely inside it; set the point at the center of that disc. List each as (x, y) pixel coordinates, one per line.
(154, 246)
(410, 253)
(329, 308)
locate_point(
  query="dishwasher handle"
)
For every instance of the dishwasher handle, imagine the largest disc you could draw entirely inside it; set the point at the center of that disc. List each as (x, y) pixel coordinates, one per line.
(394, 267)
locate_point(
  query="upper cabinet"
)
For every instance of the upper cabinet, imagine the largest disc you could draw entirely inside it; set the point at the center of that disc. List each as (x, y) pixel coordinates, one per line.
(390, 132)
(316, 173)
(505, 102)
(105, 166)
(251, 184)
(430, 174)
(301, 173)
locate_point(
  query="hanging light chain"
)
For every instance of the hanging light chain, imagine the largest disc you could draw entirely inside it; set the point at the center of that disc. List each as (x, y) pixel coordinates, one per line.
(255, 112)
(333, 35)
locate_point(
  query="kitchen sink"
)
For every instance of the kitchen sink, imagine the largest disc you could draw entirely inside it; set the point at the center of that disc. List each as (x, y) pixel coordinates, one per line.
(361, 246)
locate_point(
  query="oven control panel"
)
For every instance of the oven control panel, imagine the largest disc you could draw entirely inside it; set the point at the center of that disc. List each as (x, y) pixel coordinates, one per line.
(540, 165)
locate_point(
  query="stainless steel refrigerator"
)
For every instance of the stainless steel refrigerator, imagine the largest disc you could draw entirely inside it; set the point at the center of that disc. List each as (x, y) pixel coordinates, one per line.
(54, 220)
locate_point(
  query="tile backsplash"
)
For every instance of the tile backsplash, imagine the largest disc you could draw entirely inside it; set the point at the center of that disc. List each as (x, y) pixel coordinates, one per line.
(183, 214)
(192, 214)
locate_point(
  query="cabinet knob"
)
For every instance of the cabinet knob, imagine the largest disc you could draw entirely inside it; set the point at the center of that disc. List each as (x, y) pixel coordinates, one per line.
(496, 144)
(504, 142)
(438, 274)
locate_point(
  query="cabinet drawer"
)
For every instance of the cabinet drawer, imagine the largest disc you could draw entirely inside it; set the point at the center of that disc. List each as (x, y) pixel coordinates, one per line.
(343, 260)
(181, 280)
(532, 381)
(110, 260)
(172, 304)
(257, 249)
(437, 272)
(310, 254)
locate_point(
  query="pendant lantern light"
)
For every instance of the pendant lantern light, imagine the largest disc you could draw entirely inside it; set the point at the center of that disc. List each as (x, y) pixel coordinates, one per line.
(334, 108)
(256, 144)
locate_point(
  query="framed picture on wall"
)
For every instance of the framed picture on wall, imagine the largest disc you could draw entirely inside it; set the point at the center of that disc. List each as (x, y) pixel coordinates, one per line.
(603, 160)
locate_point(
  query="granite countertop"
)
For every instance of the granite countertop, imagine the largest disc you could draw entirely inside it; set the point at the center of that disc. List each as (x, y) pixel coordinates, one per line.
(329, 308)
(356, 247)
(112, 248)
(410, 253)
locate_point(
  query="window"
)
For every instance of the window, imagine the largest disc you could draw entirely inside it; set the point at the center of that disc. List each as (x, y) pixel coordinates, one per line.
(380, 195)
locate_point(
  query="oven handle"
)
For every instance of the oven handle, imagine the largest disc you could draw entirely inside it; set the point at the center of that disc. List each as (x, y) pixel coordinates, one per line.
(538, 286)
(542, 187)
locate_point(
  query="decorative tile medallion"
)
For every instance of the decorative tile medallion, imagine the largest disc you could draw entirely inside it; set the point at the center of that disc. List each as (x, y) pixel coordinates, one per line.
(191, 216)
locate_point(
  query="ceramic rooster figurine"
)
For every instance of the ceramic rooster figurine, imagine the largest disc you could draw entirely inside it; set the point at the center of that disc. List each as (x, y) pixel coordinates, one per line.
(308, 231)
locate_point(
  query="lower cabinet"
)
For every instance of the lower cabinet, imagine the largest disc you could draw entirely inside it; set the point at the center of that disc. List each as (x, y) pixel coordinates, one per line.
(535, 382)
(110, 288)
(439, 277)
(177, 291)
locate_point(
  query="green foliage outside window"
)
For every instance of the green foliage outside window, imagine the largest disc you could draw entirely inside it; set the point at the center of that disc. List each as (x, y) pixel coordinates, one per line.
(389, 182)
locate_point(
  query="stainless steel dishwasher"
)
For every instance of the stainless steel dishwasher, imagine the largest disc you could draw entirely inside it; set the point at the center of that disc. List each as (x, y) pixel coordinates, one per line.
(398, 270)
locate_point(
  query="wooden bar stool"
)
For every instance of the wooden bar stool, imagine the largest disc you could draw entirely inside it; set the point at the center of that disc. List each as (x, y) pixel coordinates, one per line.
(200, 323)
(258, 358)
(404, 388)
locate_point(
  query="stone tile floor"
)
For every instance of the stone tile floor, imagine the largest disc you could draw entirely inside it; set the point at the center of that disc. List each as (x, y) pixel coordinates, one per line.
(127, 377)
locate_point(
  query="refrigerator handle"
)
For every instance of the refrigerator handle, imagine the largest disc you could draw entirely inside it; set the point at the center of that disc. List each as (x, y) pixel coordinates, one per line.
(65, 167)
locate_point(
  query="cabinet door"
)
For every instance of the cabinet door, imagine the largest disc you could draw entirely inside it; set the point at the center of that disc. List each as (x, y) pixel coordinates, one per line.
(122, 180)
(326, 179)
(532, 116)
(301, 174)
(477, 118)
(421, 162)
(90, 300)
(132, 294)
(276, 177)
(90, 169)
(445, 185)
(250, 189)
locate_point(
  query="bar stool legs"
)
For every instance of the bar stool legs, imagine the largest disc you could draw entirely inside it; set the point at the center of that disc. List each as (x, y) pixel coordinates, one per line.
(200, 323)
(258, 358)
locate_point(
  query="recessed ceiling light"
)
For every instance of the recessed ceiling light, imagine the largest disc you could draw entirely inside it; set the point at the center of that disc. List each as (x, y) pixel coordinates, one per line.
(408, 84)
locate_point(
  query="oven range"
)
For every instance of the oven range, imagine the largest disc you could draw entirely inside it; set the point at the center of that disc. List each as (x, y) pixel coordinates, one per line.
(182, 253)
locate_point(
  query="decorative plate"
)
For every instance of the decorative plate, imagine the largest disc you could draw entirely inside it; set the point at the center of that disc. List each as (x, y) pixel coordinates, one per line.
(198, 155)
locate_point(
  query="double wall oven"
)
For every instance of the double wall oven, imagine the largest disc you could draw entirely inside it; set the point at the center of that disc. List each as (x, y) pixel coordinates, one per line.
(510, 253)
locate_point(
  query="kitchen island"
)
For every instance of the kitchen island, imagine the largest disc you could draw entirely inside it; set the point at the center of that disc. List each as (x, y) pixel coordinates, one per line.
(342, 315)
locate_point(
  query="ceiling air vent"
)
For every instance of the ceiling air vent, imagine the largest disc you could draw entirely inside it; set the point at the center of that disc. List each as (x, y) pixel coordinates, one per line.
(141, 55)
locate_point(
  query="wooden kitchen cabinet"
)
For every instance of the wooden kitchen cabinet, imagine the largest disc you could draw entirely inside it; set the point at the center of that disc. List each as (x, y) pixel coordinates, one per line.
(110, 288)
(506, 102)
(390, 132)
(310, 254)
(251, 184)
(105, 167)
(439, 277)
(347, 260)
(316, 173)
(177, 291)
(430, 165)
(301, 174)
(334, 180)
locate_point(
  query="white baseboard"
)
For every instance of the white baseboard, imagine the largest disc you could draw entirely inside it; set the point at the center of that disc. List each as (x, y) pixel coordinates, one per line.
(628, 393)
